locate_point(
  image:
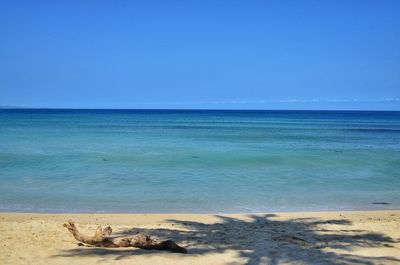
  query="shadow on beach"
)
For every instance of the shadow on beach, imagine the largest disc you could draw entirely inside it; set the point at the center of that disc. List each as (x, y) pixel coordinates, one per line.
(261, 240)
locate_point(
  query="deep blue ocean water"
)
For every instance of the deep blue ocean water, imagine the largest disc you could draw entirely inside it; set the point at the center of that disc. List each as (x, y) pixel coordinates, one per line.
(198, 161)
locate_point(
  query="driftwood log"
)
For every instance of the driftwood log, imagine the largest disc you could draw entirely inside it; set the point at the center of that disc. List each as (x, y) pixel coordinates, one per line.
(102, 238)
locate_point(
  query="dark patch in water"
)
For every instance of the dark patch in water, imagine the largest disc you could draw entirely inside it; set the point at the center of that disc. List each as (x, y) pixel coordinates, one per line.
(381, 203)
(195, 157)
(104, 159)
(375, 130)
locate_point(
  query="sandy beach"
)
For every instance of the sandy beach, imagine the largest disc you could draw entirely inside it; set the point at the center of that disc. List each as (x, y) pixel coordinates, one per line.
(370, 237)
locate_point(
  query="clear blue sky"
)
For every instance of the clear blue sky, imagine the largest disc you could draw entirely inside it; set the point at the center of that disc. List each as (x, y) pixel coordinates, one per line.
(200, 54)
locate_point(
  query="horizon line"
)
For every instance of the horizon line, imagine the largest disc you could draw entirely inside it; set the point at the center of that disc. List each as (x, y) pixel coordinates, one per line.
(188, 109)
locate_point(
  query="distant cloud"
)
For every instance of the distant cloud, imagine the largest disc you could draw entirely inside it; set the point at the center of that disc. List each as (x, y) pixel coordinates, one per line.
(334, 100)
(278, 101)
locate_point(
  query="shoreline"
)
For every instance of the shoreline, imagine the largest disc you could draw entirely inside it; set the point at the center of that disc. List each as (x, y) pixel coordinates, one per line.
(194, 213)
(333, 237)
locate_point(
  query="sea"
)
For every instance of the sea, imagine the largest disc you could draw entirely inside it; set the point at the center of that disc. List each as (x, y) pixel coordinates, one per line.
(198, 161)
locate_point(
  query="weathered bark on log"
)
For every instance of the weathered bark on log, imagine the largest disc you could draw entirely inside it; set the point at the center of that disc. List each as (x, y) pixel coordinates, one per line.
(102, 238)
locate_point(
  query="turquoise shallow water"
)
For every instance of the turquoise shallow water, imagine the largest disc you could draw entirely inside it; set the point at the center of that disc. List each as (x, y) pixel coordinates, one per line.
(198, 161)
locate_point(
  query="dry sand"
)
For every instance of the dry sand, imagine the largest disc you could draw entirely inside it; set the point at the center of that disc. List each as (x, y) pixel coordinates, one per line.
(370, 237)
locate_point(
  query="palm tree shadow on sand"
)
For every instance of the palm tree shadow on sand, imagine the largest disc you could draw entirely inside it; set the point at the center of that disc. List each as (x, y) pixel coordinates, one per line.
(262, 240)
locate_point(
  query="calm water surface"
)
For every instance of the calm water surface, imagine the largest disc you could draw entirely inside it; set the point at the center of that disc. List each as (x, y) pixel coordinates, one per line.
(198, 161)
